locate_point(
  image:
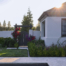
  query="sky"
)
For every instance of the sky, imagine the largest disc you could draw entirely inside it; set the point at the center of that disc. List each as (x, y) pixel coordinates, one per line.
(14, 10)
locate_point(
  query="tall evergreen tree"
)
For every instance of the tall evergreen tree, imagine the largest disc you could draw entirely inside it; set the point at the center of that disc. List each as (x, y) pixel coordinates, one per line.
(30, 16)
(27, 20)
(0, 24)
(9, 25)
(4, 25)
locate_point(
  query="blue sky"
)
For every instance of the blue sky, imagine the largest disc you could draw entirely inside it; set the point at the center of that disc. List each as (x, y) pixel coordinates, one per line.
(14, 10)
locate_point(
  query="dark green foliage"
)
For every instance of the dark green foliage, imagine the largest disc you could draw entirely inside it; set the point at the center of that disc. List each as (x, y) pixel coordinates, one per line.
(37, 49)
(9, 42)
(16, 45)
(1, 40)
(31, 49)
(27, 20)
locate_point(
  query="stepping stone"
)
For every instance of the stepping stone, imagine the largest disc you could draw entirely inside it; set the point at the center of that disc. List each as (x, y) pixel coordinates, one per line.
(8, 60)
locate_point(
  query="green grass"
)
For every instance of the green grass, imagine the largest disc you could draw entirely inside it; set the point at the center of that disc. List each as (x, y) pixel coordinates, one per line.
(13, 52)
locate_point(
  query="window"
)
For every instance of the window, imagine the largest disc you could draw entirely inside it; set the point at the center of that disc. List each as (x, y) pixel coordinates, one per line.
(43, 26)
(63, 29)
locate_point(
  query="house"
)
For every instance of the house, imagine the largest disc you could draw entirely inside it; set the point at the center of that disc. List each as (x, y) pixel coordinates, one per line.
(53, 25)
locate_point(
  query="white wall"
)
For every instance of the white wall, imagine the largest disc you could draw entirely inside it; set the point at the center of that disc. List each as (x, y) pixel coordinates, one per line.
(35, 33)
(5, 34)
(52, 30)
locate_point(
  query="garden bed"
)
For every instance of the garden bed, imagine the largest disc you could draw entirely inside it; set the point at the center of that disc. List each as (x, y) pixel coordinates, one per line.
(38, 49)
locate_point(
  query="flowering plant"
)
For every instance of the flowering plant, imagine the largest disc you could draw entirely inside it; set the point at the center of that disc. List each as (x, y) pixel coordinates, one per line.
(30, 38)
(16, 34)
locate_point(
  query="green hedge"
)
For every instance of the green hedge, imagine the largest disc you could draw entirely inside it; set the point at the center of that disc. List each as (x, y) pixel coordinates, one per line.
(9, 42)
(38, 50)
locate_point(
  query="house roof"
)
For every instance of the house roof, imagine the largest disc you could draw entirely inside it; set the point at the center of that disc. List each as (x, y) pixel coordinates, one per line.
(58, 12)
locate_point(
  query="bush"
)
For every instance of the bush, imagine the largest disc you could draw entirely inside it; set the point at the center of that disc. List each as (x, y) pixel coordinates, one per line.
(9, 42)
(32, 47)
(1, 41)
(37, 49)
(16, 45)
(45, 52)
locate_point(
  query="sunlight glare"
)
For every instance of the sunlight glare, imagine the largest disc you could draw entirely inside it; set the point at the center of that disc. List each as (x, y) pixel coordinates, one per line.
(58, 6)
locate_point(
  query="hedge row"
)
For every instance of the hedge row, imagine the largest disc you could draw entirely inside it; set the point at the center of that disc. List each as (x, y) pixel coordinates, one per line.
(42, 51)
(9, 42)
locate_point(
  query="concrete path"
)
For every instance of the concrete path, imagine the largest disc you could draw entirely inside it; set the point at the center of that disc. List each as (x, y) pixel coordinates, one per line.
(52, 61)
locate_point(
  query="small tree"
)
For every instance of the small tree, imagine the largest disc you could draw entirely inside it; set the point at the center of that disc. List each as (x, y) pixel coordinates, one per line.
(9, 25)
(0, 24)
(38, 27)
(4, 25)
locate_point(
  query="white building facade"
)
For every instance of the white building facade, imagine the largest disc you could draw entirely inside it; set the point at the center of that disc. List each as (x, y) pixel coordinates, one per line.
(52, 30)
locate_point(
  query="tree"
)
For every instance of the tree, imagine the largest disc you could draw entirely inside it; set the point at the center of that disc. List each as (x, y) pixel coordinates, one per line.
(38, 27)
(4, 25)
(33, 28)
(0, 24)
(9, 25)
(30, 16)
(27, 20)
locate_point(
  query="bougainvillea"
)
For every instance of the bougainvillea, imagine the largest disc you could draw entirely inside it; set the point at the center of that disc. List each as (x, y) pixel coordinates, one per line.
(30, 38)
(16, 34)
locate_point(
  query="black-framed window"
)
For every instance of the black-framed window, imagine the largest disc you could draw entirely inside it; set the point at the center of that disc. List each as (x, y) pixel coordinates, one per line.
(63, 28)
(44, 28)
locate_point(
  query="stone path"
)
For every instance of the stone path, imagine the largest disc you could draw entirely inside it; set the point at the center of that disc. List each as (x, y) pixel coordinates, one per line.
(52, 61)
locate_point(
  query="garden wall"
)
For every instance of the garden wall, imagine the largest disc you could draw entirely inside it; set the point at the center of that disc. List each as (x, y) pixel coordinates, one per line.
(5, 34)
(34, 33)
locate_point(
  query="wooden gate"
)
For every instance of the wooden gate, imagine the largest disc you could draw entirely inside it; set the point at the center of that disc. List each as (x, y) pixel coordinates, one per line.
(22, 39)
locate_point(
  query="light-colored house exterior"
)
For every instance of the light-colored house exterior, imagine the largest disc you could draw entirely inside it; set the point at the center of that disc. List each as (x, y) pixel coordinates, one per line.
(53, 25)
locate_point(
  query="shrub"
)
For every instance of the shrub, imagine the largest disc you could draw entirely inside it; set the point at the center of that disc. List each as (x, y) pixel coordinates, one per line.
(31, 47)
(16, 45)
(39, 51)
(45, 52)
(1, 41)
(35, 48)
(9, 42)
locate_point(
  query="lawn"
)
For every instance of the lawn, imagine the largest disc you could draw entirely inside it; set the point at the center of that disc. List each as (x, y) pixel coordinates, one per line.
(13, 52)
